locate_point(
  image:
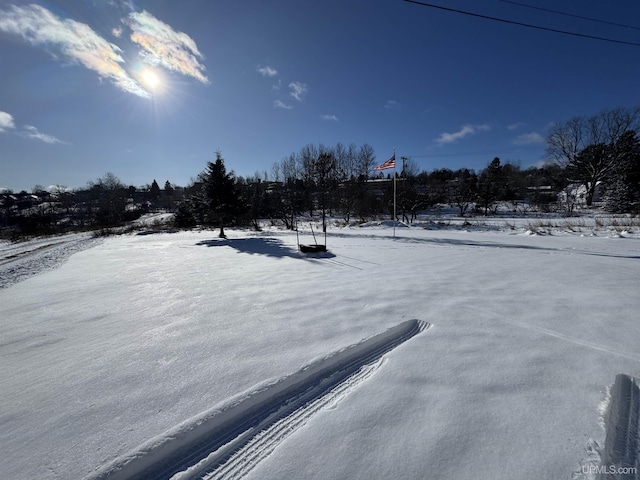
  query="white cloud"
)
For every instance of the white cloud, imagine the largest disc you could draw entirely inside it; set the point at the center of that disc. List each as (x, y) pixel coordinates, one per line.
(392, 105)
(298, 90)
(529, 139)
(76, 41)
(116, 32)
(6, 121)
(332, 118)
(279, 104)
(32, 132)
(164, 46)
(465, 131)
(515, 126)
(267, 71)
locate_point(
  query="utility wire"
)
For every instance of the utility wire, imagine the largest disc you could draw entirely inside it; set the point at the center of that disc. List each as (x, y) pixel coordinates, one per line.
(468, 154)
(571, 15)
(538, 27)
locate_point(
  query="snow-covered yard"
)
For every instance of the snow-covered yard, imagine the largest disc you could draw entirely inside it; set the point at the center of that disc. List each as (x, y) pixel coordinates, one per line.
(494, 352)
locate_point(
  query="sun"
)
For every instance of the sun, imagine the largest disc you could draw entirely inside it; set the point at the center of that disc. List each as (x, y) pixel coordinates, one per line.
(150, 79)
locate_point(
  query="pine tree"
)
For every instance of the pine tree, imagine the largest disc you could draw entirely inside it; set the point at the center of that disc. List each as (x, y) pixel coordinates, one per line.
(623, 185)
(221, 197)
(154, 192)
(491, 184)
(619, 196)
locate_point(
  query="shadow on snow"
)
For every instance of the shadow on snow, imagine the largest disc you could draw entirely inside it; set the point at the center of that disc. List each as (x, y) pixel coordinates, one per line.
(271, 247)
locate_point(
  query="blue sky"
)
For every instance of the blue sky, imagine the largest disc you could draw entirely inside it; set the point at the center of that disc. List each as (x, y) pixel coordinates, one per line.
(151, 89)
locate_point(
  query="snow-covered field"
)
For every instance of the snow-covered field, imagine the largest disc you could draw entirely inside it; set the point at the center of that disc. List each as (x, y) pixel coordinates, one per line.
(444, 353)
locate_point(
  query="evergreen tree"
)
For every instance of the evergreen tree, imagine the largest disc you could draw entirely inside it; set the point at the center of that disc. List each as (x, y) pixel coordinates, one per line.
(491, 184)
(221, 197)
(154, 193)
(619, 196)
(168, 201)
(623, 186)
(587, 146)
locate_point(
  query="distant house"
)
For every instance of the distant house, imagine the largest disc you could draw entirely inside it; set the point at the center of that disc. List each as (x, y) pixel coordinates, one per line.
(575, 195)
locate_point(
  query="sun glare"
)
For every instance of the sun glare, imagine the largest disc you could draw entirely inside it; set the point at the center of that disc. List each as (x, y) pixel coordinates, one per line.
(150, 79)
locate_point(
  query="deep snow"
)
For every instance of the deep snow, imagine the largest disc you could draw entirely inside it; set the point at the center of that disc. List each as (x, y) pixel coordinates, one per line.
(140, 334)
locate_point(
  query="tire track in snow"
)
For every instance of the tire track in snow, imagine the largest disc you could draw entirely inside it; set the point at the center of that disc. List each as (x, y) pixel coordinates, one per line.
(228, 441)
(620, 457)
(240, 462)
(21, 261)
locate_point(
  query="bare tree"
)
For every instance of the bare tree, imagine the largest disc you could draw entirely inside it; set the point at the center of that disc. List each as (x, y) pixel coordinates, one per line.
(366, 161)
(275, 171)
(347, 174)
(409, 168)
(587, 146)
(109, 194)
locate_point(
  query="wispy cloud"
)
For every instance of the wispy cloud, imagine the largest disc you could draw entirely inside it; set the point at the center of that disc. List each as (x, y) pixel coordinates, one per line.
(280, 104)
(332, 118)
(465, 131)
(267, 71)
(392, 105)
(529, 139)
(32, 132)
(515, 126)
(116, 32)
(76, 41)
(6, 121)
(298, 90)
(164, 46)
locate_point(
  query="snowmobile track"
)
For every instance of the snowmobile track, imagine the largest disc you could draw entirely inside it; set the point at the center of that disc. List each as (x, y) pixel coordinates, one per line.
(228, 441)
(620, 457)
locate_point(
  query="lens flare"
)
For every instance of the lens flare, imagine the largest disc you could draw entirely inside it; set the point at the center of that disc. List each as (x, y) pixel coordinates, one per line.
(150, 79)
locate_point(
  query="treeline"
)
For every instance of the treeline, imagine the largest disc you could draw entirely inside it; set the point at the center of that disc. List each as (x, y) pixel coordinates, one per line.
(103, 203)
(601, 151)
(595, 160)
(318, 179)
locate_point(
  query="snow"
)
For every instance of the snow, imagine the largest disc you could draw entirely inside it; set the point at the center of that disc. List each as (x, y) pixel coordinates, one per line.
(25, 259)
(126, 344)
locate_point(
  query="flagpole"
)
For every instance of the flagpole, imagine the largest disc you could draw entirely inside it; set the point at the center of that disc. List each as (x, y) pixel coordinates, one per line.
(394, 193)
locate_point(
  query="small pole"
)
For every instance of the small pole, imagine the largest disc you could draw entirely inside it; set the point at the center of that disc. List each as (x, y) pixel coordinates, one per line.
(394, 195)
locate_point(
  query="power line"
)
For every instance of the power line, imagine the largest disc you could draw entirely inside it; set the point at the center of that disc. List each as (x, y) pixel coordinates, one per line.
(537, 27)
(468, 154)
(571, 15)
(448, 155)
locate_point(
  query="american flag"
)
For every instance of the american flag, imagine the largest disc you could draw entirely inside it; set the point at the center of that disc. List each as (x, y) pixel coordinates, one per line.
(391, 163)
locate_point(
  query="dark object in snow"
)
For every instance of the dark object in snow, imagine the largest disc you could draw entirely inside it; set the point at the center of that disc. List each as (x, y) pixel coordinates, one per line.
(312, 248)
